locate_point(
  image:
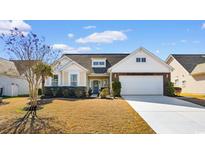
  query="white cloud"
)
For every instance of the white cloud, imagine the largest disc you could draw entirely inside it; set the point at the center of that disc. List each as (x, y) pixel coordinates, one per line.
(169, 44)
(89, 27)
(70, 35)
(103, 37)
(68, 49)
(7, 25)
(157, 51)
(127, 30)
(203, 26)
(195, 41)
(183, 41)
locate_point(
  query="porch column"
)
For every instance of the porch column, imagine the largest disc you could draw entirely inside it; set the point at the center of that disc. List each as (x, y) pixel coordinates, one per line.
(59, 79)
(110, 82)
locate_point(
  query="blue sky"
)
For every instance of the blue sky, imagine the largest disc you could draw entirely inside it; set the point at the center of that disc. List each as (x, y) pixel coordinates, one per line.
(159, 37)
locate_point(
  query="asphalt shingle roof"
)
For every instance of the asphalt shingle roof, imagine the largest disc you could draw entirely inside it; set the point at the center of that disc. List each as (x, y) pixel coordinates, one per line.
(189, 61)
(85, 60)
(23, 65)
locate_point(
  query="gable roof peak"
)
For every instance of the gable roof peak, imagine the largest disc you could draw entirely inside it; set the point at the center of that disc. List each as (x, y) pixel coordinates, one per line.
(146, 52)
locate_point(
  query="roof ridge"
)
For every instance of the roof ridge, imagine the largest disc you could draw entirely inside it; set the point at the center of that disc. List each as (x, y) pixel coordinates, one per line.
(96, 54)
(188, 54)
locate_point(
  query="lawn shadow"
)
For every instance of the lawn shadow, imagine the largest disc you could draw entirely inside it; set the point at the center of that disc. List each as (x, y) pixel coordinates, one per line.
(4, 103)
(30, 123)
(193, 100)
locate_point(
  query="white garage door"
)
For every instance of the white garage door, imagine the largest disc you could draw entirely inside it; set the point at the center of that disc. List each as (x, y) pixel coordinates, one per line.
(141, 85)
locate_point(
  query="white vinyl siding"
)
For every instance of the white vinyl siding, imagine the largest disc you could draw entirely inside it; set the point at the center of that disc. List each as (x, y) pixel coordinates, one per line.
(149, 64)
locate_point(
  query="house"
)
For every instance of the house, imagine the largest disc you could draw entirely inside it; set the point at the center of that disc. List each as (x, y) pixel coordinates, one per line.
(189, 72)
(12, 82)
(140, 72)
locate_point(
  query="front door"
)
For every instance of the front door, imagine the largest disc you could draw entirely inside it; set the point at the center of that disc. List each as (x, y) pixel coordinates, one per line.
(95, 87)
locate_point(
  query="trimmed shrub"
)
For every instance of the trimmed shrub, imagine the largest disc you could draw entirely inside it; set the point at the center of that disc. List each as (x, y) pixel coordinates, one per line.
(79, 93)
(39, 91)
(104, 93)
(177, 90)
(90, 92)
(170, 89)
(65, 91)
(23, 95)
(116, 88)
(1, 92)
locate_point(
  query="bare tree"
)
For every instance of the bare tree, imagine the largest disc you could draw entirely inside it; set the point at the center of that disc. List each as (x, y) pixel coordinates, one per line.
(34, 51)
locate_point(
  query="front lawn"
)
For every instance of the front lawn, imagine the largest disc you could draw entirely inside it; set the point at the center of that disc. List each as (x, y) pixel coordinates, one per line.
(73, 116)
(193, 98)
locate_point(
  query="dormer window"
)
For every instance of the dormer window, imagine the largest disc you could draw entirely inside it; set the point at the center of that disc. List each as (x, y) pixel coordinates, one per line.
(98, 63)
(141, 60)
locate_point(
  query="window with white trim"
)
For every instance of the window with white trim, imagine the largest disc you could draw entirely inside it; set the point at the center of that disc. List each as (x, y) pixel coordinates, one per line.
(99, 63)
(141, 60)
(184, 83)
(74, 80)
(54, 80)
(176, 82)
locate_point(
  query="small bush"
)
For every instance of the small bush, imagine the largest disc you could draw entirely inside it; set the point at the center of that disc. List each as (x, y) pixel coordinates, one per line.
(170, 89)
(79, 93)
(39, 91)
(65, 93)
(116, 88)
(90, 92)
(177, 90)
(23, 95)
(104, 93)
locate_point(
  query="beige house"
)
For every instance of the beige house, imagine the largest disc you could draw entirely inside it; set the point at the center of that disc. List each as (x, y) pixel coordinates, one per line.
(188, 72)
(140, 72)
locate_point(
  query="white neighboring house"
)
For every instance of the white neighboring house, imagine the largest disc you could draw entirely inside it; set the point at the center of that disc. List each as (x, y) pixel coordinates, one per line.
(140, 72)
(11, 78)
(188, 72)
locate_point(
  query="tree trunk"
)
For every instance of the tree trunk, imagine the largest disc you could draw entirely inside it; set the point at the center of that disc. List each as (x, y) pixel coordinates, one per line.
(43, 85)
(33, 95)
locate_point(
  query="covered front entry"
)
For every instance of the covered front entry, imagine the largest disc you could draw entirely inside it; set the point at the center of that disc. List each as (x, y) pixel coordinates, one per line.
(97, 82)
(95, 87)
(141, 84)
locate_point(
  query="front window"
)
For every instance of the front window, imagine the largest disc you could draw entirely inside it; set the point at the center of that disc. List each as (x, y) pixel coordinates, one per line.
(183, 83)
(74, 80)
(143, 60)
(105, 83)
(140, 60)
(99, 63)
(54, 80)
(176, 82)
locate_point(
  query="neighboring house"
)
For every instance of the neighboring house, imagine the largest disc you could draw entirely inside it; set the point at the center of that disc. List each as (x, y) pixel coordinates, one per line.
(140, 72)
(188, 72)
(11, 78)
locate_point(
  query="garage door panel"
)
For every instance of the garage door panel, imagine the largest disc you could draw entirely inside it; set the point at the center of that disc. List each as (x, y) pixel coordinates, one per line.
(141, 85)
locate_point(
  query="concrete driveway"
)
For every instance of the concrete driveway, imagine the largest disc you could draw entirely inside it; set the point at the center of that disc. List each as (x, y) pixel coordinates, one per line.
(169, 115)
